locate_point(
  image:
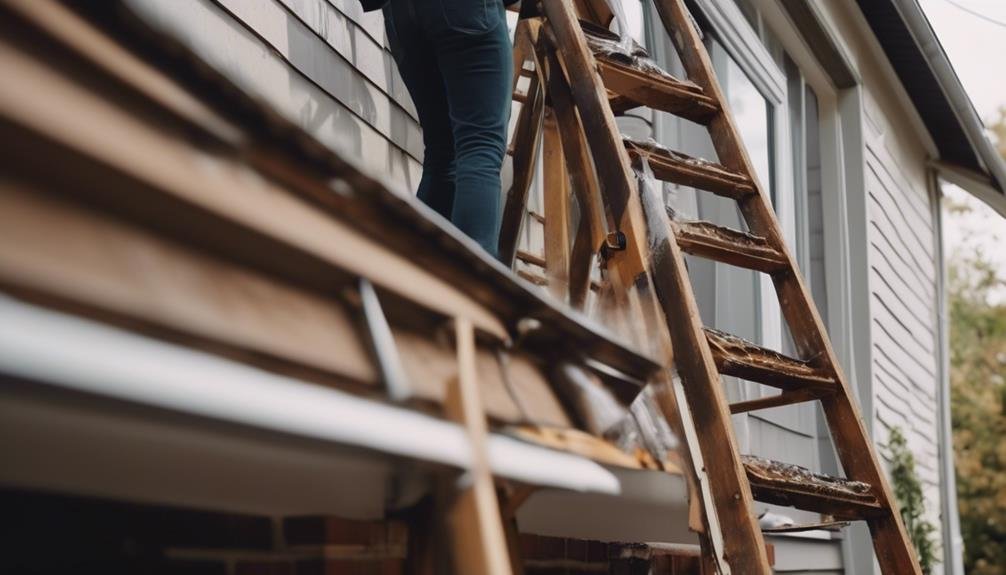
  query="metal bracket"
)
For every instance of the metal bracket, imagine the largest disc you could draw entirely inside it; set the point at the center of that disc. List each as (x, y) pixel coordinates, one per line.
(382, 343)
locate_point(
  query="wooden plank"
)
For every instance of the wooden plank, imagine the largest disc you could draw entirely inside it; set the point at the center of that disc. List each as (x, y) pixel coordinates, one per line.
(64, 255)
(581, 443)
(639, 88)
(61, 254)
(592, 229)
(67, 28)
(50, 104)
(856, 451)
(581, 258)
(741, 358)
(778, 400)
(792, 485)
(679, 168)
(529, 258)
(729, 246)
(556, 192)
(524, 144)
(474, 519)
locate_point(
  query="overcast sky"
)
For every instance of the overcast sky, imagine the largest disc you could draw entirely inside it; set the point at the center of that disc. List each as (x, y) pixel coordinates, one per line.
(977, 49)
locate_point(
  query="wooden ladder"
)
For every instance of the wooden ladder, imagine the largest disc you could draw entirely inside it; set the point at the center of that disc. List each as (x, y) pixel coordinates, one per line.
(572, 92)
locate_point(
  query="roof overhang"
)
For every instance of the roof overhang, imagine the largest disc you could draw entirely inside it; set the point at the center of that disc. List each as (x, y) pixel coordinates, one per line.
(966, 155)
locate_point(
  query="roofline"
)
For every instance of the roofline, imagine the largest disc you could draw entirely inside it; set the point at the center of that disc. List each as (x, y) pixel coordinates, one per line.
(989, 185)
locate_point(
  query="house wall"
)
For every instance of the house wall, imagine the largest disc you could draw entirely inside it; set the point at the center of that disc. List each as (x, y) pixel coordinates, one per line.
(326, 64)
(322, 63)
(902, 260)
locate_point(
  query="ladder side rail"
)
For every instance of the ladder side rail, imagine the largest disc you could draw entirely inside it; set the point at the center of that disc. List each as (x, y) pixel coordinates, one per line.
(745, 547)
(524, 144)
(583, 179)
(856, 452)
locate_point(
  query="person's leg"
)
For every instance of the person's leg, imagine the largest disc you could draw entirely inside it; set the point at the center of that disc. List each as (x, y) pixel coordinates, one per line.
(476, 60)
(417, 64)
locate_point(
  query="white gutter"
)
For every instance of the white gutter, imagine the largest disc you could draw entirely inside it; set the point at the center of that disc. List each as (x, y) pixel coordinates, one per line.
(994, 192)
(952, 541)
(69, 352)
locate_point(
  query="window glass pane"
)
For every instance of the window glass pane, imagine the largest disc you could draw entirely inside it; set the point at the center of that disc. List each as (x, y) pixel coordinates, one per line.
(735, 305)
(751, 112)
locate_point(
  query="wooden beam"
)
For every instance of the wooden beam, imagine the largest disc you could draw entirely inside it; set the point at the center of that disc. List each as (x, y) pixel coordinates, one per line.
(474, 518)
(50, 104)
(556, 196)
(525, 142)
(583, 179)
(60, 254)
(707, 402)
(615, 174)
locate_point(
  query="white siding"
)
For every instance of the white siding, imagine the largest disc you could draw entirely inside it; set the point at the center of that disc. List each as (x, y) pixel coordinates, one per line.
(903, 285)
(322, 63)
(325, 64)
(901, 261)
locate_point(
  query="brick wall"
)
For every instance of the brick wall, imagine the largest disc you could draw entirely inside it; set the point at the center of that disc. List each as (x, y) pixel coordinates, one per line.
(57, 534)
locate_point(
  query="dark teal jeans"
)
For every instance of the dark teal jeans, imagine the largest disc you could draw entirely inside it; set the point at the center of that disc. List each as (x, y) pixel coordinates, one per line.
(456, 60)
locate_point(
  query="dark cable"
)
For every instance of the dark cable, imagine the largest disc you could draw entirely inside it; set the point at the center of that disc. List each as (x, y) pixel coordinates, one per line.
(976, 14)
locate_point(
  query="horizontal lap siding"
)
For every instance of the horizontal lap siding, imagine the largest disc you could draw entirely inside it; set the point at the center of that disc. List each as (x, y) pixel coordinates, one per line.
(324, 65)
(903, 272)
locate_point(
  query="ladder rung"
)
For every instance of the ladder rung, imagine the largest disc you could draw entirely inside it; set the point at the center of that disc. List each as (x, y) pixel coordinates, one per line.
(729, 246)
(789, 397)
(536, 279)
(530, 258)
(634, 80)
(792, 485)
(620, 104)
(520, 97)
(679, 168)
(656, 89)
(741, 358)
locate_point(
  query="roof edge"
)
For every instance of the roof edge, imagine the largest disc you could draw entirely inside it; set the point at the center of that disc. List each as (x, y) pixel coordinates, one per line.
(992, 188)
(978, 185)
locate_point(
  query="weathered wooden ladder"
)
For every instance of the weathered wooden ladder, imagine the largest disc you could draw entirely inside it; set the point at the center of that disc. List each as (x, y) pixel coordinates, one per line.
(574, 88)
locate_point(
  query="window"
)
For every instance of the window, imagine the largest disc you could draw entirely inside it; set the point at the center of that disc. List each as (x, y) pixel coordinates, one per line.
(779, 117)
(751, 112)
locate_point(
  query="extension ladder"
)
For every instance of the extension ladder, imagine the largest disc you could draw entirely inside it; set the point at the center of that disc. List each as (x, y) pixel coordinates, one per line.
(573, 92)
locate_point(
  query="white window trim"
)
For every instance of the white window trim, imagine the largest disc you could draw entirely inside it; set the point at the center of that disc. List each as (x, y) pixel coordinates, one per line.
(745, 47)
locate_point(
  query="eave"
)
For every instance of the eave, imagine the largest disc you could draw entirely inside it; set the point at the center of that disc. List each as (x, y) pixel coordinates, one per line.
(915, 53)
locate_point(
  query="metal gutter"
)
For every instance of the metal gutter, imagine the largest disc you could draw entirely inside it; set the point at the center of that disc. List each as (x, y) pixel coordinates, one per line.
(952, 542)
(964, 147)
(68, 352)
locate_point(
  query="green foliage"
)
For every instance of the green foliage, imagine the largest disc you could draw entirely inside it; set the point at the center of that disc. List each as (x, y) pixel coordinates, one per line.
(908, 492)
(978, 407)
